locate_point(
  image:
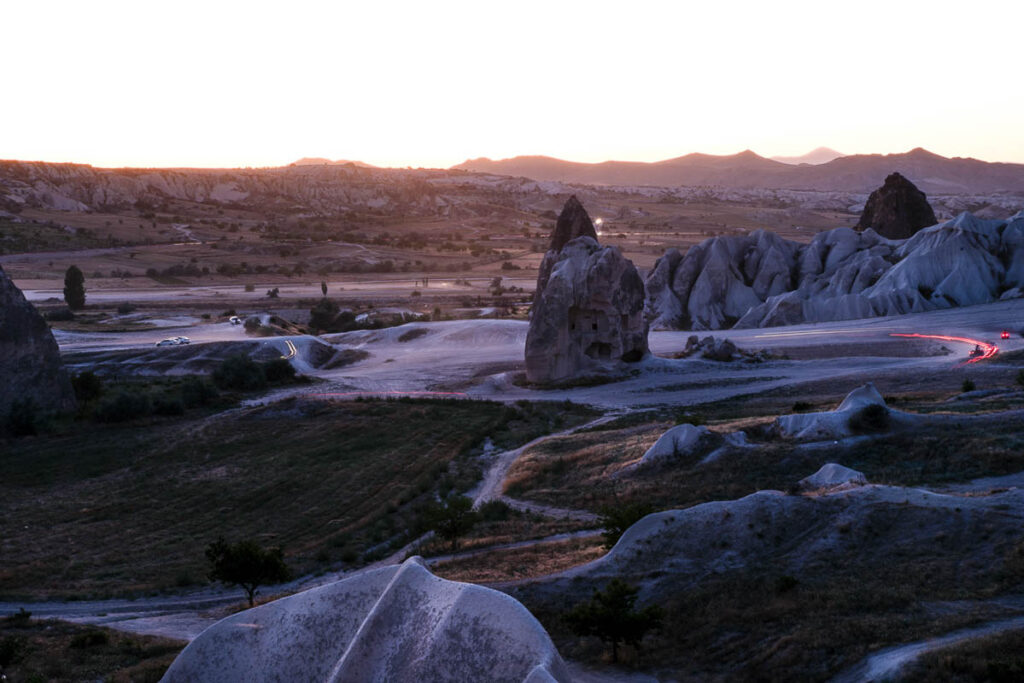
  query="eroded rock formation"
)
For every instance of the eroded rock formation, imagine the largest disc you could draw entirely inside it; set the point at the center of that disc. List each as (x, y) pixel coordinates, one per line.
(30, 364)
(588, 314)
(397, 623)
(762, 280)
(897, 209)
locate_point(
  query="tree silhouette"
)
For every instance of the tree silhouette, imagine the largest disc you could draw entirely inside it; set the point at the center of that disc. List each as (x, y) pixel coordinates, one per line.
(452, 518)
(74, 288)
(323, 288)
(610, 615)
(246, 564)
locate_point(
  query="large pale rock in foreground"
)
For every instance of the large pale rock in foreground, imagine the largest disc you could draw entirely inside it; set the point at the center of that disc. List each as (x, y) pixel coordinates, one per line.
(398, 623)
(762, 280)
(30, 364)
(897, 210)
(588, 312)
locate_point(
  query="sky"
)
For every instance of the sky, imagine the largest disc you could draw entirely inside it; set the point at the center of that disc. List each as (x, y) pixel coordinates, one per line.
(233, 84)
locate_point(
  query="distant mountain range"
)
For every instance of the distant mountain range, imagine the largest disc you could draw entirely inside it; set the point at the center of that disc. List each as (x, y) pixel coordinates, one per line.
(930, 172)
(821, 155)
(320, 161)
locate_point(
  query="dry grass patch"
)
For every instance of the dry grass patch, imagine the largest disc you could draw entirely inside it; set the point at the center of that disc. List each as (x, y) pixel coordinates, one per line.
(59, 652)
(522, 563)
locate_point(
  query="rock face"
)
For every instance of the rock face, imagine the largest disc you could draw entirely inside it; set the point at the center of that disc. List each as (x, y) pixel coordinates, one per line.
(573, 222)
(835, 424)
(30, 364)
(897, 209)
(762, 280)
(398, 623)
(679, 441)
(588, 314)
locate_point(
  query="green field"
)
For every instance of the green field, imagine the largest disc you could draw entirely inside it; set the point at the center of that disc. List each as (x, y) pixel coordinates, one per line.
(129, 509)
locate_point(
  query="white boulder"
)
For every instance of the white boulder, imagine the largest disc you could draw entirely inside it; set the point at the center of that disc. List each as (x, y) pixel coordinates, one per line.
(681, 440)
(833, 476)
(398, 623)
(830, 424)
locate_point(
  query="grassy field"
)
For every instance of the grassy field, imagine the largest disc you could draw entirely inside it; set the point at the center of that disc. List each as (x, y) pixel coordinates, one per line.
(577, 470)
(521, 563)
(59, 652)
(764, 625)
(995, 658)
(129, 509)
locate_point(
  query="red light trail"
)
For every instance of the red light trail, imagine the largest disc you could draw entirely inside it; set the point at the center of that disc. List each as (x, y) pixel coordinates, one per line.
(987, 350)
(457, 394)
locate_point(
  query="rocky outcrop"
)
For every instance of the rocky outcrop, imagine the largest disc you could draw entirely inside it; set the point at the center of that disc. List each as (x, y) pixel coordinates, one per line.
(762, 280)
(897, 210)
(573, 222)
(397, 623)
(832, 476)
(588, 314)
(30, 363)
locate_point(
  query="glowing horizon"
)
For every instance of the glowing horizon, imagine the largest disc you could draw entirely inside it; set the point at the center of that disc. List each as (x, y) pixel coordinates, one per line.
(234, 85)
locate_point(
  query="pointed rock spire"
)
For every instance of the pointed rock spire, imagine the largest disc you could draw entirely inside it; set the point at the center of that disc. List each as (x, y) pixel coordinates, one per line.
(572, 223)
(897, 209)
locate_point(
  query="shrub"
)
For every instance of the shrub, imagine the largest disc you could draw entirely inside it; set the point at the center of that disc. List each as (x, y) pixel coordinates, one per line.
(12, 651)
(241, 373)
(168, 404)
(125, 308)
(23, 417)
(62, 314)
(1020, 378)
(323, 314)
(871, 418)
(494, 511)
(968, 385)
(87, 386)
(801, 407)
(197, 391)
(279, 371)
(451, 518)
(615, 519)
(250, 288)
(90, 639)
(123, 406)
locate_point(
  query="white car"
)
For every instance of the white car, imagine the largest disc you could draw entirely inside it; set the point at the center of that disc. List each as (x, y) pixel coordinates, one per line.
(167, 342)
(235, 320)
(182, 340)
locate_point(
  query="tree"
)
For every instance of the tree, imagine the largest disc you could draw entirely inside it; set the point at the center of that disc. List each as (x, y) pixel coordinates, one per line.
(615, 519)
(323, 314)
(246, 564)
(323, 288)
(74, 288)
(610, 615)
(451, 518)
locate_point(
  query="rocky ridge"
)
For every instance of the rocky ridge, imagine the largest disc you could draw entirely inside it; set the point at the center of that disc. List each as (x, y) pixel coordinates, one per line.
(762, 280)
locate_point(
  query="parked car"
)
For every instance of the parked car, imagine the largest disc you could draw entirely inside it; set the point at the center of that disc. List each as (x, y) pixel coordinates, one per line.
(235, 320)
(167, 342)
(182, 340)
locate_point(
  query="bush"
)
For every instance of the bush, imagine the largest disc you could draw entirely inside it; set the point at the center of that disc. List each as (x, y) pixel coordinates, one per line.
(323, 314)
(968, 385)
(494, 511)
(87, 386)
(451, 518)
(871, 418)
(279, 371)
(168, 404)
(125, 308)
(241, 373)
(123, 406)
(23, 417)
(1020, 378)
(250, 288)
(12, 651)
(90, 639)
(615, 519)
(62, 314)
(801, 407)
(197, 391)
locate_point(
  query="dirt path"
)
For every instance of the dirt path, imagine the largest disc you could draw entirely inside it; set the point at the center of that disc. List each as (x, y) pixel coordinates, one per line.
(886, 664)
